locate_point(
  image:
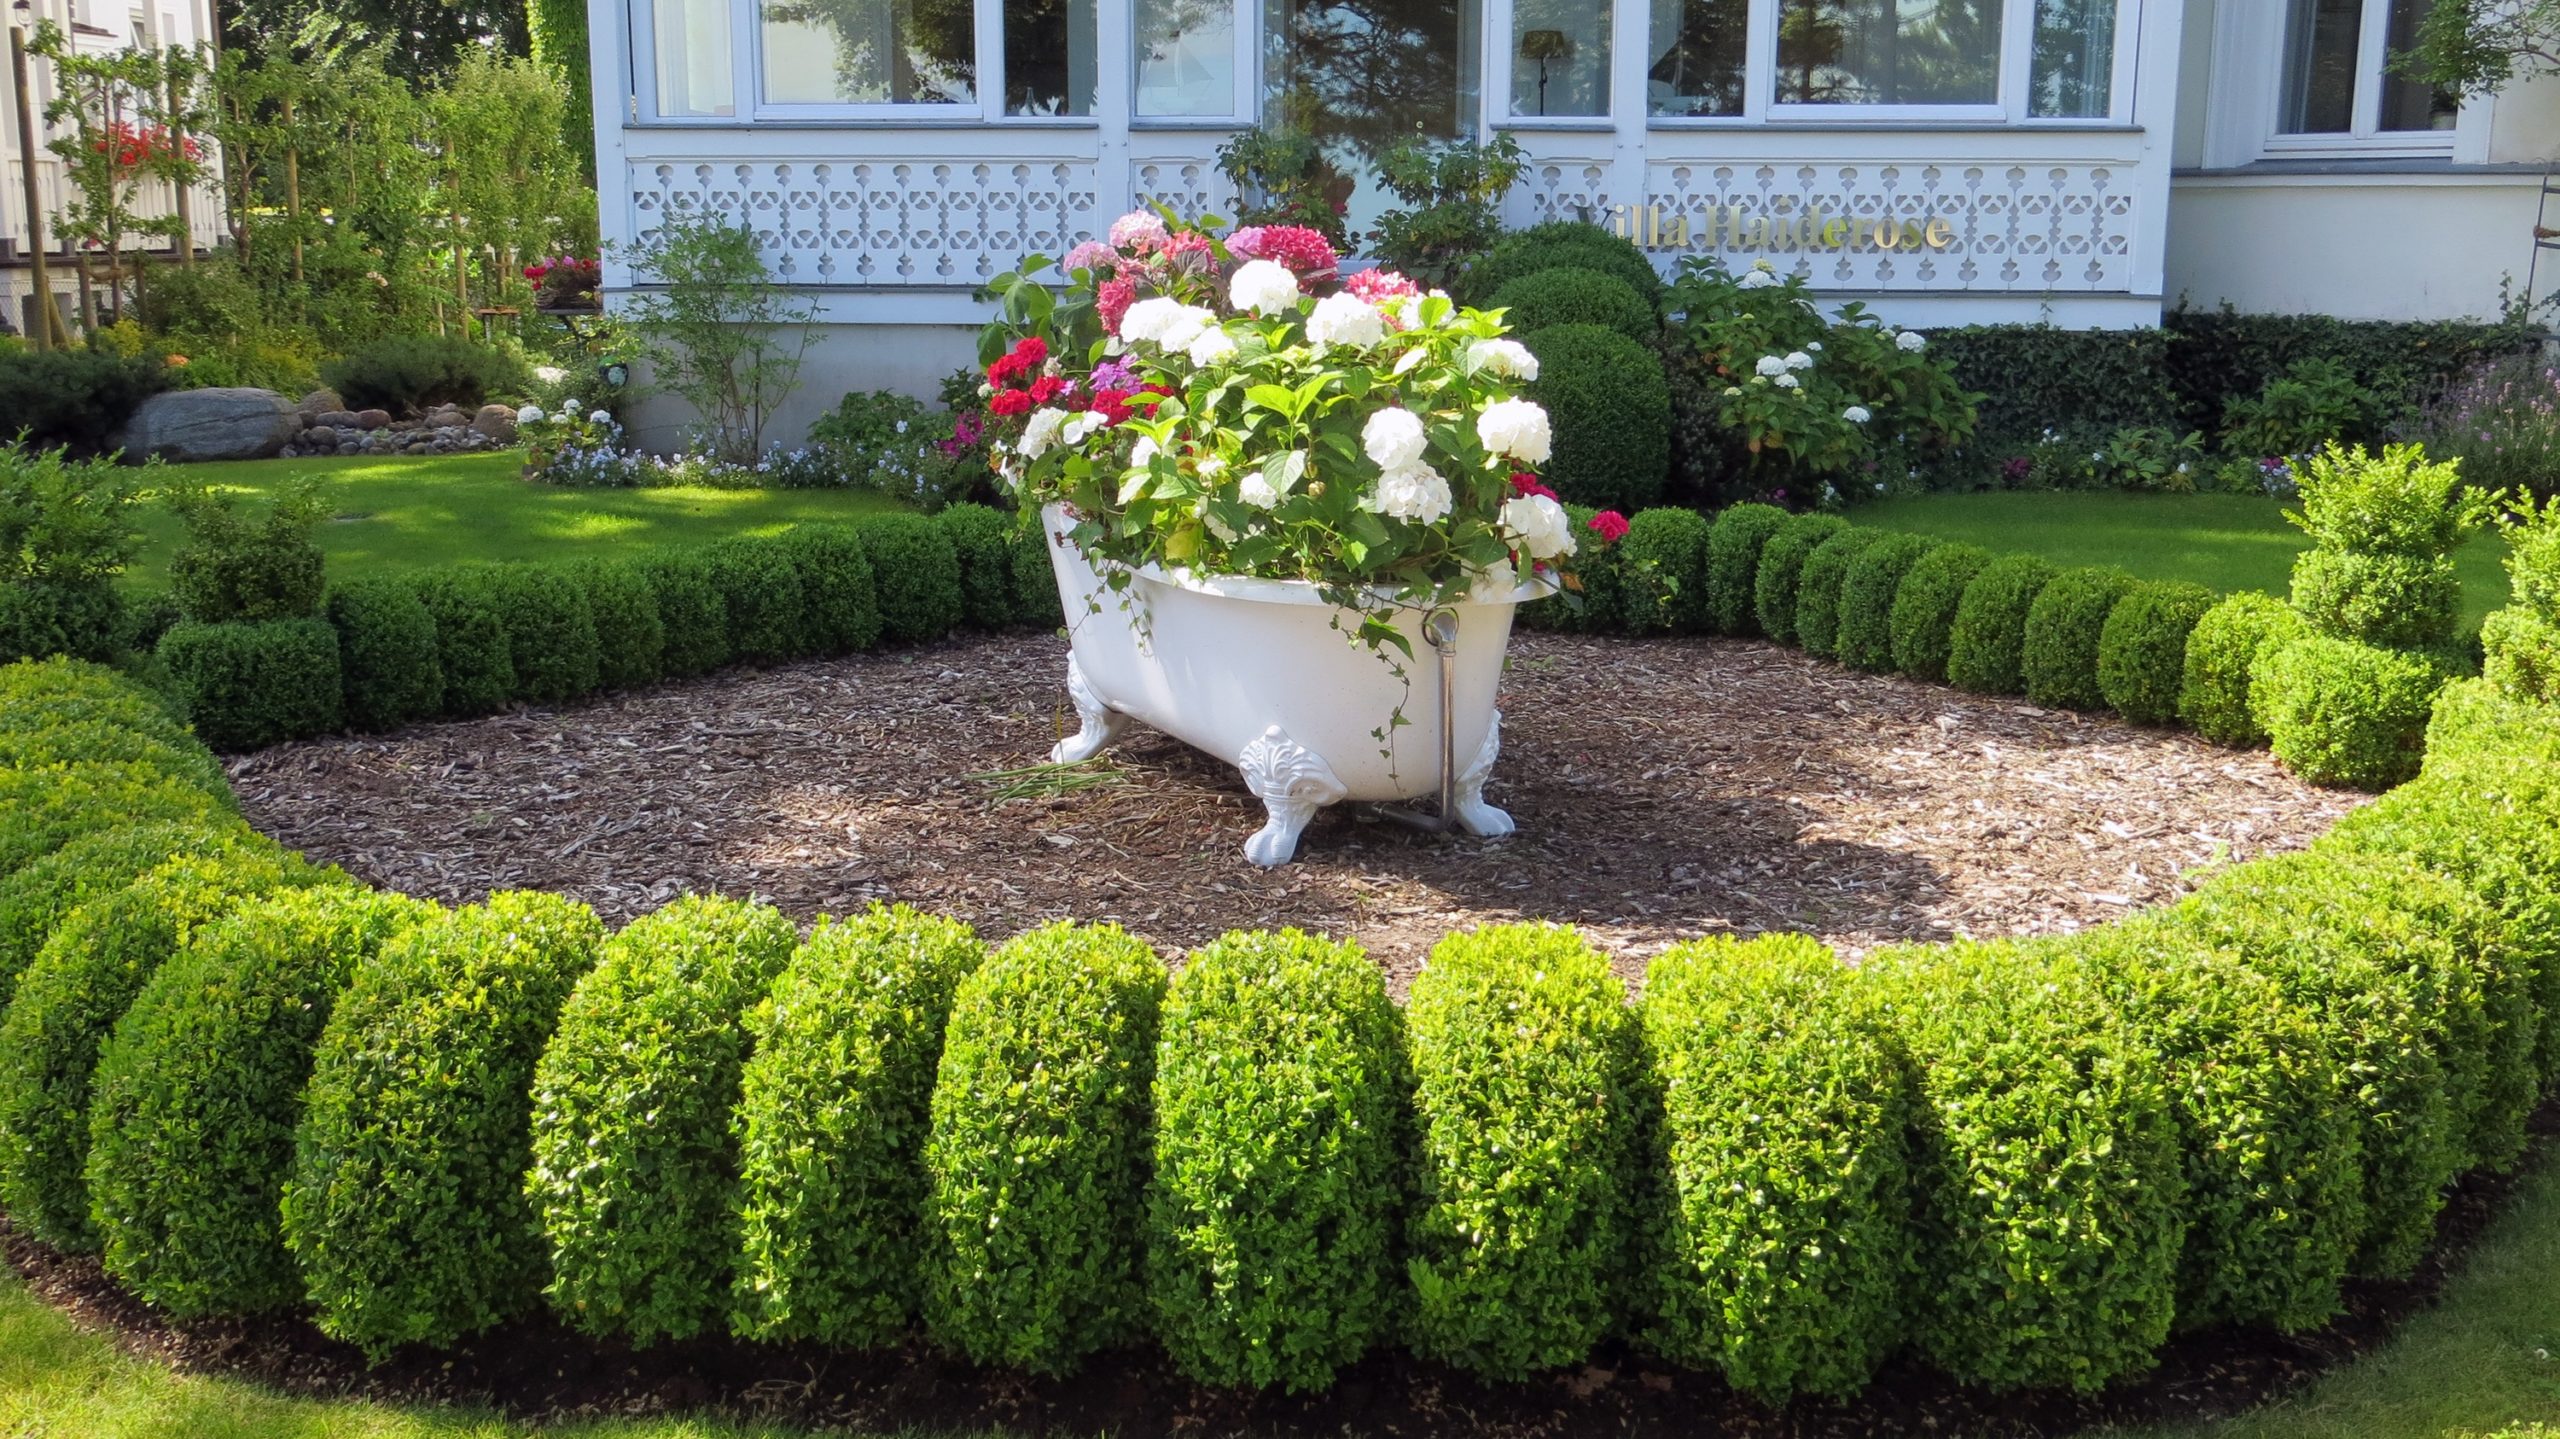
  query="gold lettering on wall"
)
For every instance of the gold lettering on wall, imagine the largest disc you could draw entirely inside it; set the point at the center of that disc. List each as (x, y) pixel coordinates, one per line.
(1730, 227)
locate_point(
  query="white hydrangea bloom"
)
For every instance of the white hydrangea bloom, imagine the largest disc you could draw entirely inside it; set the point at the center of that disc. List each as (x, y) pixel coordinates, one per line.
(1393, 438)
(1256, 491)
(1144, 451)
(1346, 319)
(529, 415)
(1814, 345)
(1412, 492)
(1162, 320)
(1855, 414)
(1504, 359)
(1785, 382)
(599, 417)
(1077, 426)
(1909, 342)
(1516, 428)
(1263, 286)
(1211, 468)
(1188, 324)
(1040, 432)
(1799, 360)
(1213, 346)
(1758, 277)
(1771, 366)
(1544, 530)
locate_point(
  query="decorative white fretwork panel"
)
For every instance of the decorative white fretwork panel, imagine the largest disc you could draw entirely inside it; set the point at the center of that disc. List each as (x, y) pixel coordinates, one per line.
(1568, 190)
(1996, 226)
(1188, 185)
(883, 222)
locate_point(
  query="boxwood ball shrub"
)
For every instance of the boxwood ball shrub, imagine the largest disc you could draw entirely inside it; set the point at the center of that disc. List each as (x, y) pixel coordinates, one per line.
(1610, 410)
(918, 571)
(552, 645)
(832, 1114)
(2142, 651)
(1817, 625)
(198, 1091)
(2341, 712)
(2213, 695)
(44, 807)
(2048, 1191)
(250, 685)
(2520, 654)
(2381, 599)
(106, 742)
(1562, 245)
(386, 652)
(1733, 565)
(406, 1209)
(631, 641)
(979, 537)
(840, 603)
(1035, 582)
(1662, 562)
(1524, 1102)
(1774, 583)
(2473, 718)
(634, 1168)
(1273, 1213)
(2058, 659)
(1864, 634)
(1781, 1247)
(1922, 626)
(69, 999)
(468, 607)
(1986, 649)
(760, 592)
(37, 693)
(1038, 1153)
(1569, 296)
(2270, 1141)
(36, 899)
(692, 613)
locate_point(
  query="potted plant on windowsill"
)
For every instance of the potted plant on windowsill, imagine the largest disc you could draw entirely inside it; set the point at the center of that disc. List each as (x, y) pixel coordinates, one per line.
(1258, 498)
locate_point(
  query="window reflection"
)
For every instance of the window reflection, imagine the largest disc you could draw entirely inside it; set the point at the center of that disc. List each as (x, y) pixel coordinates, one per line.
(1889, 52)
(1048, 57)
(1559, 57)
(692, 44)
(1186, 57)
(2075, 59)
(2412, 104)
(1363, 75)
(870, 52)
(2320, 67)
(1700, 49)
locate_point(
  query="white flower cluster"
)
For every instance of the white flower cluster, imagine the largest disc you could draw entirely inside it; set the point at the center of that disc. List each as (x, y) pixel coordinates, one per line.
(1050, 426)
(1516, 428)
(1166, 323)
(1412, 492)
(1343, 319)
(1540, 525)
(1504, 359)
(1910, 342)
(1266, 287)
(1758, 277)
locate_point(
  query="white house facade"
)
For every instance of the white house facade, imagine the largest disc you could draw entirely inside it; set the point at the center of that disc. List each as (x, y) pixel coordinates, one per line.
(2084, 162)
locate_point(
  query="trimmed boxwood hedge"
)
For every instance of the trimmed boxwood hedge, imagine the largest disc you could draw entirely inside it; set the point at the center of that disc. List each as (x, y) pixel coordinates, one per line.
(2520, 654)
(760, 594)
(1733, 565)
(1986, 649)
(2059, 658)
(1818, 585)
(1662, 562)
(924, 600)
(1864, 640)
(2393, 600)
(634, 1172)
(37, 899)
(1276, 1194)
(107, 742)
(469, 610)
(406, 1210)
(252, 684)
(552, 645)
(1781, 1247)
(980, 539)
(693, 616)
(2213, 697)
(1610, 410)
(386, 652)
(833, 1108)
(198, 1091)
(1923, 623)
(839, 601)
(1038, 1154)
(631, 641)
(1561, 245)
(2342, 712)
(1526, 1123)
(1567, 295)
(1774, 583)
(2142, 651)
(1035, 581)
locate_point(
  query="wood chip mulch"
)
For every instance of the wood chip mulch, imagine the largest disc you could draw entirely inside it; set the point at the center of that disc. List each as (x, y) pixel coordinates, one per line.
(1664, 789)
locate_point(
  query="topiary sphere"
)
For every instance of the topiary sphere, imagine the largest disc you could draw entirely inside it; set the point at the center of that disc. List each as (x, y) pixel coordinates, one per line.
(1575, 297)
(1610, 409)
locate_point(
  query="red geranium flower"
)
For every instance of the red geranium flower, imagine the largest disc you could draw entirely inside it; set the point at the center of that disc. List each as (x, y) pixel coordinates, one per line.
(1610, 526)
(1050, 387)
(1010, 402)
(1527, 484)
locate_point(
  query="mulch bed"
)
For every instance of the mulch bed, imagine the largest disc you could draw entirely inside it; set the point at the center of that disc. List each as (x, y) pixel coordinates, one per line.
(1664, 789)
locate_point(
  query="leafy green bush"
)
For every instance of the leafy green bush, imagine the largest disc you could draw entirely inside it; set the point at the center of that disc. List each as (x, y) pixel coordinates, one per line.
(634, 1169)
(1986, 651)
(1562, 245)
(1817, 623)
(44, 807)
(77, 398)
(97, 741)
(2269, 1137)
(978, 538)
(1272, 1217)
(2533, 555)
(468, 607)
(692, 613)
(840, 603)
(2142, 651)
(406, 1210)
(2028, 374)
(1733, 565)
(2213, 695)
(66, 535)
(2472, 718)
(69, 999)
(1662, 559)
(2338, 712)
(552, 645)
(250, 685)
(198, 1091)
(37, 693)
(2214, 356)
(918, 571)
(233, 566)
(37, 899)
(85, 619)
(2380, 599)
(1782, 1245)
(1566, 296)
(2520, 654)
(631, 641)
(2383, 531)
(1611, 413)
(412, 374)
(760, 591)
(1922, 625)
(833, 1110)
(2312, 403)
(386, 652)
(1524, 1059)
(1038, 1153)
(2047, 1185)
(1035, 583)
(1774, 584)
(2059, 658)
(1868, 591)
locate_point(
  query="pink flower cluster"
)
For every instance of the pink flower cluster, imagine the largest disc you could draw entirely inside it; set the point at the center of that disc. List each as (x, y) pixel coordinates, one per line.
(1303, 250)
(1380, 286)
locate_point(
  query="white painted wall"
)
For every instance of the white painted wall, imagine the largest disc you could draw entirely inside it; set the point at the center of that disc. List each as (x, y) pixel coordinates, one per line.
(2362, 247)
(908, 358)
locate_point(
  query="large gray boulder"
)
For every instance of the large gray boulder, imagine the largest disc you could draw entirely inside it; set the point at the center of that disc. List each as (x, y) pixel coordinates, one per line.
(219, 424)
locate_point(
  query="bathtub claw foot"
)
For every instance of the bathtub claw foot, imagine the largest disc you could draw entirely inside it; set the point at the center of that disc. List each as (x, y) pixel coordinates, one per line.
(1101, 724)
(1473, 814)
(1293, 782)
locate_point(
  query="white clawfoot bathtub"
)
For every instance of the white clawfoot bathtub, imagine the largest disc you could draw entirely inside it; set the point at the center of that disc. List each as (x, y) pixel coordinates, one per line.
(1264, 674)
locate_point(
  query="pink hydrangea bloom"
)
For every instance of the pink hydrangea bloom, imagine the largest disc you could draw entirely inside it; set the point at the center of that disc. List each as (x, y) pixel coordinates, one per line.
(1301, 249)
(1139, 230)
(1113, 300)
(1379, 286)
(1092, 255)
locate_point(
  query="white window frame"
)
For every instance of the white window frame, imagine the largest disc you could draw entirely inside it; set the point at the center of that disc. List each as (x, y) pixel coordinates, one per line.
(2263, 32)
(746, 57)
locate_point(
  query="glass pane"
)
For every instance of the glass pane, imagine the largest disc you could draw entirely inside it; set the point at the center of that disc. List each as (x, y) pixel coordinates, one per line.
(1889, 52)
(692, 41)
(870, 52)
(1362, 75)
(2412, 104)
(1698, 55)
(2075, 59)
(2320, 67)
(1186, 57)
(1048, 57)
(1559, 57)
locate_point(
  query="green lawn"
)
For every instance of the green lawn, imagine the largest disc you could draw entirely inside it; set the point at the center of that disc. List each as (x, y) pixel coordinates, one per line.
(2227, 542)
(432, 510)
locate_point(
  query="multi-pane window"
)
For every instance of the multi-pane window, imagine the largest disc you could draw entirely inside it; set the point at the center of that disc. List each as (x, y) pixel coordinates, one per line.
(1186, 61)
(1559, 57)
(1855, 57)
(2337, 78)
(869, 52)
(1889, 52)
